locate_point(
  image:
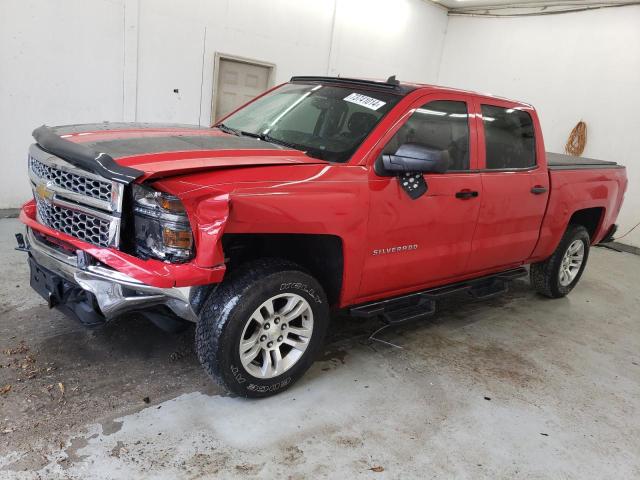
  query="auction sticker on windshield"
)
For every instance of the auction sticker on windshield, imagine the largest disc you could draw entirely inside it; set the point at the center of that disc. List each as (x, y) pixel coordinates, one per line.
(365, 101)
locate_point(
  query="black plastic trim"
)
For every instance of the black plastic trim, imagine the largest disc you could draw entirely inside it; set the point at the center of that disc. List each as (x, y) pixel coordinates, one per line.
(514, 169)
(609, 237)
(65, 296)
(396, 87)
(84, 157)
(560, 161)
(418, 304)
(585, 167)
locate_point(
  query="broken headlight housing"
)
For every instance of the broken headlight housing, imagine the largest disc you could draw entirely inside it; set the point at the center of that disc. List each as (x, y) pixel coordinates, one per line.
(162, 228)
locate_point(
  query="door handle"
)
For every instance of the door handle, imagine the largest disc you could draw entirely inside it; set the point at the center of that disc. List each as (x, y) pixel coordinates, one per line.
(538, 190)
(466, 194)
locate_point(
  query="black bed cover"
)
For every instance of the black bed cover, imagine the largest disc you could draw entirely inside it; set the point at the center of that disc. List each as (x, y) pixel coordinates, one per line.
(560, 161)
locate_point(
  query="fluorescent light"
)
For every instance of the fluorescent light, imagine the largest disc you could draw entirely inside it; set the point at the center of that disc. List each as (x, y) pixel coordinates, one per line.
(426, 111)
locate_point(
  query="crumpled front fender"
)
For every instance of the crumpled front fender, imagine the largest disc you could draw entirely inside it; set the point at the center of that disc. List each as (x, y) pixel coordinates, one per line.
(208, 210)
(208, 220)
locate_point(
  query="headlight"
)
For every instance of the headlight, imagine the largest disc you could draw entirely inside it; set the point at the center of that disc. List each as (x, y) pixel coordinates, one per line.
(162, 228)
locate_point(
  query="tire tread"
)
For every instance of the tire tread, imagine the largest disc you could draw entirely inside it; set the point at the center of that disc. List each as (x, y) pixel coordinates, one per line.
(544, 275)
(216, 313)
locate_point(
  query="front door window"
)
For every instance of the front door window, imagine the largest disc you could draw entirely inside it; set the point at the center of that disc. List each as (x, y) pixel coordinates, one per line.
(443, 125)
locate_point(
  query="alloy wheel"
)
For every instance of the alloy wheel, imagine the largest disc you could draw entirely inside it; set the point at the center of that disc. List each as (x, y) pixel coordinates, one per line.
(571, 263)
(276, 335)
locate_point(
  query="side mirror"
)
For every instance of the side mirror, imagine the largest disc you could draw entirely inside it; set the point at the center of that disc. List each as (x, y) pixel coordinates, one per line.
(413, 157)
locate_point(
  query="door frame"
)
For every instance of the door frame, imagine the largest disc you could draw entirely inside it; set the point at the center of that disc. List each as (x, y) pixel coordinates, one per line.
(218, 56)
(478, 101)
(474, 145)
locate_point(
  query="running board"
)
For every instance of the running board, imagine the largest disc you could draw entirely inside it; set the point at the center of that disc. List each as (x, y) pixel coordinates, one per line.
(418, 305)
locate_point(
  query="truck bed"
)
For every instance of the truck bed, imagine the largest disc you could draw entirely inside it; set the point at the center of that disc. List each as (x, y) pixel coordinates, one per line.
(560, 161)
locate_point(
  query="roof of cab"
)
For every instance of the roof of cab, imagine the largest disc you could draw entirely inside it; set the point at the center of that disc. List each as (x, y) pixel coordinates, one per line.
(391, 84)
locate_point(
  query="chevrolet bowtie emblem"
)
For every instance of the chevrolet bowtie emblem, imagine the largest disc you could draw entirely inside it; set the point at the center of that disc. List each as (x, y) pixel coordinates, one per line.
(44, 191)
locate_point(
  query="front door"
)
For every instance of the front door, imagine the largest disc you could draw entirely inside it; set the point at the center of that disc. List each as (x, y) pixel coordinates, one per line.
(412, 244)
(514, 187)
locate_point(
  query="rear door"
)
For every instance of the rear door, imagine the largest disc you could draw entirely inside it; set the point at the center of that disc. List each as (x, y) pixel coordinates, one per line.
(515, 185)
(416, 243)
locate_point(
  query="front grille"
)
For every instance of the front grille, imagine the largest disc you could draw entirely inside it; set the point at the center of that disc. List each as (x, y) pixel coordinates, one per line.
(74, 201)
(72, 182)
(77, 224)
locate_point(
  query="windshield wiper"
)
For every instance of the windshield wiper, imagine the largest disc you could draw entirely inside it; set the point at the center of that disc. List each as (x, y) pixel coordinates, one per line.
(309, 151)
(265, 137)
(238, 133)
(268, 138)
(226, 129)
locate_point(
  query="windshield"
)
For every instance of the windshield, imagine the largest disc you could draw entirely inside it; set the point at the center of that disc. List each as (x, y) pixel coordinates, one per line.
(326, 122)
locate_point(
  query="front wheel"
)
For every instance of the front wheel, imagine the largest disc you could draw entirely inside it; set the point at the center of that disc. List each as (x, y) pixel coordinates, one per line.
(557, 275)
(261, 329)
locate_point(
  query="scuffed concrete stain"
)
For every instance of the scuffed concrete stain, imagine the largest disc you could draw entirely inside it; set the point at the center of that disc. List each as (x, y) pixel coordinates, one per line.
(402, 409)
(204, 436)
(71, 450)
(111, 426)
(398, 408)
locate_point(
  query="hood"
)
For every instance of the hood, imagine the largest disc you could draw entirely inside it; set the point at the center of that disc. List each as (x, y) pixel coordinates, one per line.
(161, 150)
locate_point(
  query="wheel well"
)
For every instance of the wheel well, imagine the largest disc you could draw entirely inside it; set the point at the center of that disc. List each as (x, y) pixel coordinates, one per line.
(589, 218)
(320, 255)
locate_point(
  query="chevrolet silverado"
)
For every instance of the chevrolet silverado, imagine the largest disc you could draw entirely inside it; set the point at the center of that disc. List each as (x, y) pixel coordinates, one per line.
(375, 197)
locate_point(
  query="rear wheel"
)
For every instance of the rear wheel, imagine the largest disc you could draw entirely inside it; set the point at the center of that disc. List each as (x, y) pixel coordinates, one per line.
(261, 329)
(556, 276)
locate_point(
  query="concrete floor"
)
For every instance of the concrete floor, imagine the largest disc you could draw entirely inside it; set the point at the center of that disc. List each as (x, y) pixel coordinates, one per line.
(515, 387)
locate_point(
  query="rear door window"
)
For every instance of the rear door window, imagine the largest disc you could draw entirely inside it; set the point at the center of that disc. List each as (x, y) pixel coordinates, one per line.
(509, 138)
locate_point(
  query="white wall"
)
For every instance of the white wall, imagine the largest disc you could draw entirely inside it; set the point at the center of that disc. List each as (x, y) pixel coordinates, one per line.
(177, 43)
(294, 35)
(77, 61)
(59, 63)
(379, 38)
(571, 67)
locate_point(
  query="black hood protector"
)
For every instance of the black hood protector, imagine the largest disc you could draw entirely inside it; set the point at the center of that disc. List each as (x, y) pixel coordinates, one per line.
(125, 147)
(84, 157)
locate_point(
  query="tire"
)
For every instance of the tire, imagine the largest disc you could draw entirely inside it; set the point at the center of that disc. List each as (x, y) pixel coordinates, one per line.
(239, 310)
(546, 277)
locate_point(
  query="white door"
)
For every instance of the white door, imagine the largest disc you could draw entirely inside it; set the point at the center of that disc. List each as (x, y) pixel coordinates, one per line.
(239, 82)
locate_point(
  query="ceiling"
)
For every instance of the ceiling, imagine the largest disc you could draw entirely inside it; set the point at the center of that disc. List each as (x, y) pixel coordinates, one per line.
(527, 4)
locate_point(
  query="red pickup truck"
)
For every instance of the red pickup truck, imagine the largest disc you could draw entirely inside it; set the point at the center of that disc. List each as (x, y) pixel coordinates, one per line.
(377, 197)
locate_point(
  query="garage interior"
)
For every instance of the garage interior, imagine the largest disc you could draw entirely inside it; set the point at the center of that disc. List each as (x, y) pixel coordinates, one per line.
(519, 386)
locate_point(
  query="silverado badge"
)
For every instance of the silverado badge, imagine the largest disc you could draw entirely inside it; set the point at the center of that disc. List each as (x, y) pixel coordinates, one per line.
(398, 249)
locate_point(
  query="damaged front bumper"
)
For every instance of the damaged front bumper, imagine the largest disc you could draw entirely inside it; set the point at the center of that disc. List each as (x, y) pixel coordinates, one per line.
(93, 292)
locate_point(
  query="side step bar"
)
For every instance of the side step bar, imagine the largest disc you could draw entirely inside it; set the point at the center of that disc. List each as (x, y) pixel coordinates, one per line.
(422, 304)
